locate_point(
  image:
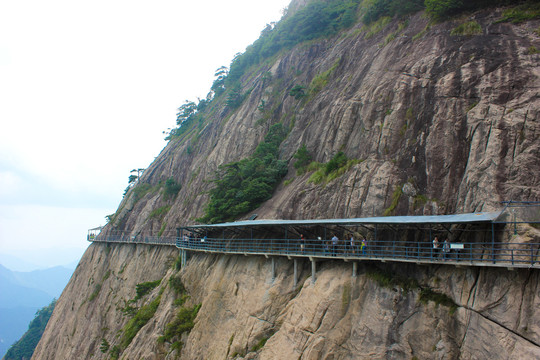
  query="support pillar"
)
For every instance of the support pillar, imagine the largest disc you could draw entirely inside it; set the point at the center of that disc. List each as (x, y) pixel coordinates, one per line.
(354, 269)
(295, 272)
(273, 269)
(184, 258)
(313, 270)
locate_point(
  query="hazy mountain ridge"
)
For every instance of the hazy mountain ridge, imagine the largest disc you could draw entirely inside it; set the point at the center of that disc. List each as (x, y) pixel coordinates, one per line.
(22, 294)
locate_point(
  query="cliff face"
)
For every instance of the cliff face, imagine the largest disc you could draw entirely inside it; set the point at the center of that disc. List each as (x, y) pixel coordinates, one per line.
(450, 120)
(495, 314)
(449, 123)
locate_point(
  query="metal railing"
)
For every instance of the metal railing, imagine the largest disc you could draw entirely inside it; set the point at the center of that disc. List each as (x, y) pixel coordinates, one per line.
(524, 255)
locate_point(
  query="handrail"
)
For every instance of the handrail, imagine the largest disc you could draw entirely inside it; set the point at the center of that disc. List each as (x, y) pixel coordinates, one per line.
(518, 255)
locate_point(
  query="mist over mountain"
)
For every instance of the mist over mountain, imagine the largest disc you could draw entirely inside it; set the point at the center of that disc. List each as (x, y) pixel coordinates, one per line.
(22, 294)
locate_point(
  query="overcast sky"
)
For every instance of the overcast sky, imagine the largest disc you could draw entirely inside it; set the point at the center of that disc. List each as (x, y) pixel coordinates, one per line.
(86, 90)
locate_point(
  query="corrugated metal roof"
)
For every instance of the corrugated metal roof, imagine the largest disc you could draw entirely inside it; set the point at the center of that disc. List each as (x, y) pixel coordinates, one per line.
(395, 220)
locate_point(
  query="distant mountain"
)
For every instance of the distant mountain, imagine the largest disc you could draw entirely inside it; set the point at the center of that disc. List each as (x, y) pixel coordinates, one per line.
(52, 281)
(13, 324)
(40, 259)
(15, 293)
(22, 294)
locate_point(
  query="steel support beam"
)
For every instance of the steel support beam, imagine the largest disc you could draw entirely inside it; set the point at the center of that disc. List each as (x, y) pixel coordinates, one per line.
(295, 272)
(313, 270)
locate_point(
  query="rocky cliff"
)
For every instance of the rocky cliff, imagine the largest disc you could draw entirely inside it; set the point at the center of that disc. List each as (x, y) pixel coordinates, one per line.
(437, 122)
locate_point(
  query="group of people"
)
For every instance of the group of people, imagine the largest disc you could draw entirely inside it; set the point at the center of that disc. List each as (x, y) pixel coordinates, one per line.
(334, 245)
(445, 246)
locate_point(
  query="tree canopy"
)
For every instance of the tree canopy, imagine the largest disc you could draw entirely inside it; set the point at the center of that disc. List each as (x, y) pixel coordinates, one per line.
(243, 185)
(25, 346)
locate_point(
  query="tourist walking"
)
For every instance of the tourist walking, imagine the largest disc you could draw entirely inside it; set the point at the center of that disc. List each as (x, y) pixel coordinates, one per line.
(446, 248)
(435, 247)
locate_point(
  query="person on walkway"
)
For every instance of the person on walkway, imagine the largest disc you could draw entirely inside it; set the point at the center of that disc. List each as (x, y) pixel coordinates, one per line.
(446, 249)
(363, 247)
(435, 247)
(302, 243)
(352, 244)
(335, 242)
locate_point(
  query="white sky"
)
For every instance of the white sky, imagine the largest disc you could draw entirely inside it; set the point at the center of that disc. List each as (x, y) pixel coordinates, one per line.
(86, 89)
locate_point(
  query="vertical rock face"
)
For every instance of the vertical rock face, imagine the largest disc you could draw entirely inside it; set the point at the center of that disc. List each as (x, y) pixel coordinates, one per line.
(438, 124)
(245, 314)
(448, 122)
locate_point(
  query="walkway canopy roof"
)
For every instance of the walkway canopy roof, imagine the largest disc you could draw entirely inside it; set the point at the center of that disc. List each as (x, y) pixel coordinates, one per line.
(479, 217)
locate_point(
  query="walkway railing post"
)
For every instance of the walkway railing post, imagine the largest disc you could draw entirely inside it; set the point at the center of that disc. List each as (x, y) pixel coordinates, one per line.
(493, 242)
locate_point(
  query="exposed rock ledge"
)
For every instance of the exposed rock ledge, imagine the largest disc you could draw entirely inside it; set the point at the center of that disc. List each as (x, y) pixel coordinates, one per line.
(337, 317)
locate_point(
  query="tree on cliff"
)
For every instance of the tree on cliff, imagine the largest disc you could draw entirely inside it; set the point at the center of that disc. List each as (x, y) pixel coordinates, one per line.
(243, 185)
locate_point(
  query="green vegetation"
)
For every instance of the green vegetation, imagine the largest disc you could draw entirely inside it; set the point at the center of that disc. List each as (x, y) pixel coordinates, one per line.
(339, 160)
(318, 19)
(427, 294)
(396, 195)
(179, 290)
(298, 92)
(145, 313)
(522, 13)
(160, 212)
(421, 34)
(472, 106)
(115, 352)
(104, 347)
(189, 115)
(337, 166)
(469, 28)
(94, 294)
(320, 81)
(260, 344)
(243, 185)
(303, 159)
(345, 298)
(374, 10)
(532, 50)
(390, 280)
(171, 189)
(144, 288)
(182, 323)
(376, 26)
(25, 346)
(441, 9)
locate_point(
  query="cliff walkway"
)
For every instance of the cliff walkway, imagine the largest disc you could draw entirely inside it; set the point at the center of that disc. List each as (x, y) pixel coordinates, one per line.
(477, 239)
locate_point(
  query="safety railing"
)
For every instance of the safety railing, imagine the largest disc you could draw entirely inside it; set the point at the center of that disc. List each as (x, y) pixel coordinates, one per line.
(481, 254)
(126, 239)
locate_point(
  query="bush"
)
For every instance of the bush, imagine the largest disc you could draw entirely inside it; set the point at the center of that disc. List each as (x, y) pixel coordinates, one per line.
(176, 284)
(317, 19)
(25, 346)
(469, 28)
(427, 294)
(243, 185)
(171, 189)
(160, 212)
(144, 288)
(303, 159)
(521, 13)
(339, 160)
(383, 8)
(298, 92)
(140, 319)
